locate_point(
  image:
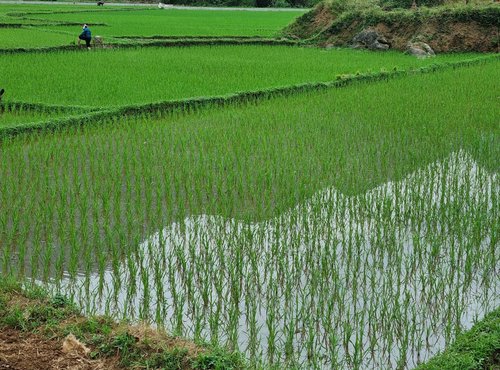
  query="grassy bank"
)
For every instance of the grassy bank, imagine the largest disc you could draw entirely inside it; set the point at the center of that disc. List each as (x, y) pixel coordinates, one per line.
(477, 348)
(32, 318)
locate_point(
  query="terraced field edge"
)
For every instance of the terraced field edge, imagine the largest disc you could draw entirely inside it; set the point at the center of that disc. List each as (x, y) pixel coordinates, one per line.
(172, 42)
(191, 104)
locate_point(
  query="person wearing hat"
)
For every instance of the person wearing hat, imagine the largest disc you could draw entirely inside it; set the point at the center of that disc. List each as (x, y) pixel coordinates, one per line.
(86, 35)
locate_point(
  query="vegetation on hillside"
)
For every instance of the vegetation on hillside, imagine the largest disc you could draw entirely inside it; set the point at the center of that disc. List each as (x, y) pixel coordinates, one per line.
(449, 27)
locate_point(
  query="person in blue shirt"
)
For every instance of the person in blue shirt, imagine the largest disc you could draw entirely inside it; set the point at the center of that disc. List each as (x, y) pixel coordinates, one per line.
(86, 36)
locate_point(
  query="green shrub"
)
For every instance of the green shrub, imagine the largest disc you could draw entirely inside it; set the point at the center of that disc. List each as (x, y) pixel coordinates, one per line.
(15, 319)
(218, 359)
(171, 359)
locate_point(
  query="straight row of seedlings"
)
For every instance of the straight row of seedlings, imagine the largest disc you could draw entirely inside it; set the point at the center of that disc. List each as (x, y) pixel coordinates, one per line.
(295, 231)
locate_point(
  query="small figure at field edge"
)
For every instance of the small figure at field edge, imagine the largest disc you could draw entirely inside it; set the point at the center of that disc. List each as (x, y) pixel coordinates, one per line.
(2, 91)
(86, 36)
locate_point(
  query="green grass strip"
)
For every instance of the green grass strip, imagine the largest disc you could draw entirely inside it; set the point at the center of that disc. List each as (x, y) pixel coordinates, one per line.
(163, 43)
(191, 37)
(477, 348)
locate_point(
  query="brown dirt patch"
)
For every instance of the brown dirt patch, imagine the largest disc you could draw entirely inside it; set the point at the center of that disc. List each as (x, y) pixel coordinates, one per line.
(344, 37)
(442, 37)
(28, 351)
(313, 22)
(321, 21)
(157, 338)
(449, 34)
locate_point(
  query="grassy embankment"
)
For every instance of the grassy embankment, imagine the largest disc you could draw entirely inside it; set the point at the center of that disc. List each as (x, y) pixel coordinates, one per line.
(30, 312)
(475, 349)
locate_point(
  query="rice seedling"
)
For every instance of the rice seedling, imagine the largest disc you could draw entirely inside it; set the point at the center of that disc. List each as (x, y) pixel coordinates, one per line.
(175, 22)
(14, 10)
(112, 78)
(350, 228)
(30, 37)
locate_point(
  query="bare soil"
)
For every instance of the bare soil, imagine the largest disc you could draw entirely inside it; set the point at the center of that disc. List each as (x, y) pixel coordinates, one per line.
(323, 19)
(28, 351)
(444, 38)
(312, 23)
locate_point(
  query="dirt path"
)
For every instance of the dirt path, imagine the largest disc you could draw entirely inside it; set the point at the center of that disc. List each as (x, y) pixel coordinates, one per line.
(27, 351)
(155, 5)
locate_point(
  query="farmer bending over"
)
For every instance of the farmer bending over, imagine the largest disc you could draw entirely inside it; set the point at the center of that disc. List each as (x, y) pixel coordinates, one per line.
(85, 35)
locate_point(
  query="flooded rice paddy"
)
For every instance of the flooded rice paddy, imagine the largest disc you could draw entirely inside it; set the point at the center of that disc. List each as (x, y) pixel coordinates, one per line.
(383, 279)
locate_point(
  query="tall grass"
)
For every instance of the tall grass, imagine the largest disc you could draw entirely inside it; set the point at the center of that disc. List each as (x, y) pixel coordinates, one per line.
(352, 228)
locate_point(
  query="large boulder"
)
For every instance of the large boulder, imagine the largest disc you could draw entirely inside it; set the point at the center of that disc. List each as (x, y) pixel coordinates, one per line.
(419, 49)
(370, 39)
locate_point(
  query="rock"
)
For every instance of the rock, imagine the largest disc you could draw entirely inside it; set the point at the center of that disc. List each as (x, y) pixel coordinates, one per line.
(370, 39)
(419, 49)
(164, 6)
(74, 346)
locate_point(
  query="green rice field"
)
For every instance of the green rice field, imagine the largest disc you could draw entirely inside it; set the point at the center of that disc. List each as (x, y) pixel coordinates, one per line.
(339, 226)
(125, 22)
(159, 74)
(176, 22)
(31, 37)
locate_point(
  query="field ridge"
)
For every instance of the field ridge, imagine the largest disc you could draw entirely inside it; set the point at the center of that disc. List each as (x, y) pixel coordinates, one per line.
(190, 104)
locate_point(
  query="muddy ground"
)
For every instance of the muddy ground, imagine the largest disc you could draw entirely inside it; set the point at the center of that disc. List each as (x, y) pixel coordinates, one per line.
(28, 351)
